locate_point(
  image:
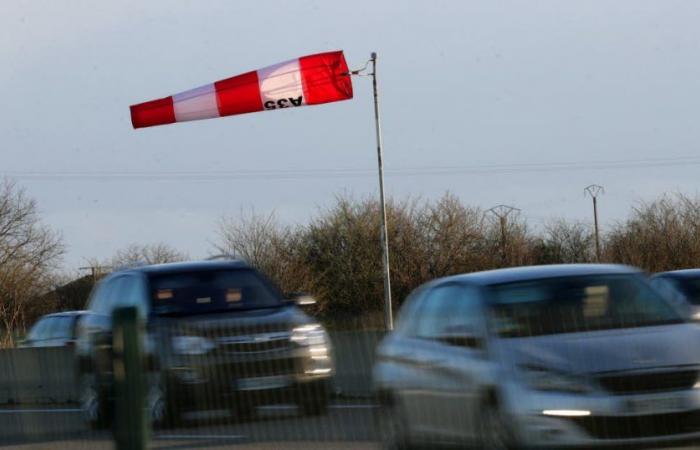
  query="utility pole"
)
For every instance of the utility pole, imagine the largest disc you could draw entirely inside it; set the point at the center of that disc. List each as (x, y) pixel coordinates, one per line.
(594, 191)
(384, 234)
(96, 270)
(502, 212)
(388, 314)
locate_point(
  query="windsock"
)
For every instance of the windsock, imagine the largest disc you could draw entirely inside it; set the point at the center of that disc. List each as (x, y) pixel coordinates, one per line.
(309, 80)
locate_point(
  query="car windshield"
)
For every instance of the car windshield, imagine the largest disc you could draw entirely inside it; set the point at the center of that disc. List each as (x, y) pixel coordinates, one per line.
(210, 291)
(576, 304)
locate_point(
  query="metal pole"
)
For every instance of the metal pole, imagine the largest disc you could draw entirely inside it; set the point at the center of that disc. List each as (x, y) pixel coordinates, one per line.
(502, 212)
(388, 315)
(503, 239)
(594, 191)
(597, 235)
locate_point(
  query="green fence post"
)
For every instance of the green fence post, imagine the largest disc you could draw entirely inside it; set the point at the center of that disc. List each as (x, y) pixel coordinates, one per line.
(130, 428)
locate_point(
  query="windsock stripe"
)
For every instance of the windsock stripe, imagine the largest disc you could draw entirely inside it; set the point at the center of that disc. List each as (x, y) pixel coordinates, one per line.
(155, 112)
(239, 94)
(325, 77)
(280, 85)
(195, 104)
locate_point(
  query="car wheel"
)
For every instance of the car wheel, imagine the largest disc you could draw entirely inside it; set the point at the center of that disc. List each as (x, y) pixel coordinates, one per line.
(492, 431)
(391, 425)
(92, 402)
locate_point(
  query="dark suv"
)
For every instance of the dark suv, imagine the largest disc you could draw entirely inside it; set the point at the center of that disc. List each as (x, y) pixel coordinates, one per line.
(218, 334)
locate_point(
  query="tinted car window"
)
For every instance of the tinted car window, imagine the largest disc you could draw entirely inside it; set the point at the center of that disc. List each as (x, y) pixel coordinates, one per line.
(448, 310)
(208, 291)
(690, 287)
(567, 305)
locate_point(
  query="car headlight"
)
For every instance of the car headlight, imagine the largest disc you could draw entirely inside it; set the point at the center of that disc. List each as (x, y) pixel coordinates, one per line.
(192, 345)
(307, 335)
(317, 346)
(543, 379)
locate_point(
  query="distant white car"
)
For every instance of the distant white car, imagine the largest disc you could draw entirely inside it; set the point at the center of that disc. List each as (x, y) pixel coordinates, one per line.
(54, 330)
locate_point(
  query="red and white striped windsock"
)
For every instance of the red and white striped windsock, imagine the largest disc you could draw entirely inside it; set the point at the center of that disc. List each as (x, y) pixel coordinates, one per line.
(309, 80)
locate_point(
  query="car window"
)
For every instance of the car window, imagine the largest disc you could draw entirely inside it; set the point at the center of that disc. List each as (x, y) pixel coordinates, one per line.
(40, 330)
(61, 327)
(408, 319)
(449, 310)
(576, 304)
(99, 300)
(689, 288)
(133, 292)
(670, 289)
(210, 291)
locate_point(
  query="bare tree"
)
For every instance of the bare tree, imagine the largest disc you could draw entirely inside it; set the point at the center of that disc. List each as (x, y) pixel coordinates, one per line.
(511, 239)
(275, 249)
(660, 235)
(137, 254)
(566, 242)
(29, 251)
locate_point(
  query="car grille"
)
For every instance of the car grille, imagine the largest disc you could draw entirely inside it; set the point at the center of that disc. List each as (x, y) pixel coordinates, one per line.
(265, 368)
(252, 369)
(255, 343)
(628, 427)
(649, 382)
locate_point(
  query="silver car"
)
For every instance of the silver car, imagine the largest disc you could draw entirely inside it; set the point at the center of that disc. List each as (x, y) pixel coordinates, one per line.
(540, 357)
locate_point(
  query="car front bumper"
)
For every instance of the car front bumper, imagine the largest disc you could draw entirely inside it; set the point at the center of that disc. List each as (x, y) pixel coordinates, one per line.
(559, 420)
(276, 377)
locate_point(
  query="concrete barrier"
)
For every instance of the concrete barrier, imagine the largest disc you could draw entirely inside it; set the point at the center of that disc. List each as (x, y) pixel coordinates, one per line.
(47, 375)
(354, 357)
(37, 376)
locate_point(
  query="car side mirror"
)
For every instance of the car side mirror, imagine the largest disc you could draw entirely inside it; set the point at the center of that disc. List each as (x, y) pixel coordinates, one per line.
(301, 299)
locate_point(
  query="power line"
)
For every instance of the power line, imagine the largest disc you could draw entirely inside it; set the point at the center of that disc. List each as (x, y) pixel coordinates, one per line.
(325, 173)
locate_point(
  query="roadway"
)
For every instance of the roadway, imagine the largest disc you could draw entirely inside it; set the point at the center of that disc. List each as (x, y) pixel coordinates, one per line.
(347, 426)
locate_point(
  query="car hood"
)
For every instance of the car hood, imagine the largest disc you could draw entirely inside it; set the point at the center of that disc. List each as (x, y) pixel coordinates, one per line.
(253, 321)
(605, 351)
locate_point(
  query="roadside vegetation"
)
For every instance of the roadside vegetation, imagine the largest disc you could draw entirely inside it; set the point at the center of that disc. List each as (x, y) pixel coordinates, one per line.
(336, 255)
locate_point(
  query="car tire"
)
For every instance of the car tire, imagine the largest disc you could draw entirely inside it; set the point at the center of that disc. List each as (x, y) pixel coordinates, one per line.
(93, 402)
(491, 428)
(391, 426)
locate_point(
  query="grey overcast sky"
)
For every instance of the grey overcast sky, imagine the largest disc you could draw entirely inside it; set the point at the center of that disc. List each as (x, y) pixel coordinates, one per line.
(500, 90)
